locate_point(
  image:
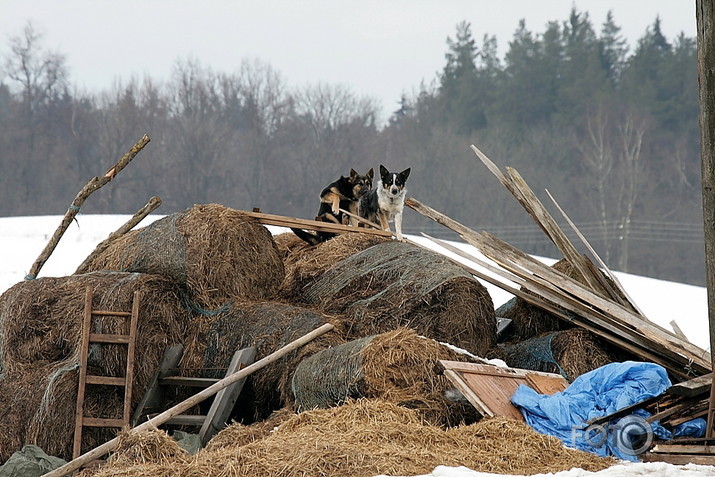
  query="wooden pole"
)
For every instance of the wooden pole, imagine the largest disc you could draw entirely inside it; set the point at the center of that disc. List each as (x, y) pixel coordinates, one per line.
(148, 208)
(156, 421)
(94, 184)
(705, 16)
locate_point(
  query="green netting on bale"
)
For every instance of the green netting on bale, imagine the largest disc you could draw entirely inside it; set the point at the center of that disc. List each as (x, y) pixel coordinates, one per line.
(396, 264)
(330, 377)
(535, 354)
(158, 246)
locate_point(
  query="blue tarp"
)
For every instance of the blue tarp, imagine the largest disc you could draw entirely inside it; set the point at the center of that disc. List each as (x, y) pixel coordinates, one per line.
(598, 393)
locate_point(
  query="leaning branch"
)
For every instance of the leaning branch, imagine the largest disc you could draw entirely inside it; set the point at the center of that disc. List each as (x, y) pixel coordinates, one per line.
(94, 184)
(150, 206)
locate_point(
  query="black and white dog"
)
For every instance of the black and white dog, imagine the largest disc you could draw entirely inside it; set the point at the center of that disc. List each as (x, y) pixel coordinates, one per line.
(386, 202)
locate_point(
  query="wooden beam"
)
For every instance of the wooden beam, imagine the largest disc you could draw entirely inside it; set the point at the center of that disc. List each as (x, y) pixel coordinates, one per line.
(291, 222)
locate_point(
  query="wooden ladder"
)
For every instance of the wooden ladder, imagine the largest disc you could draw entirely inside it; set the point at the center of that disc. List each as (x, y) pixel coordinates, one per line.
(88, 337)
(218, 414)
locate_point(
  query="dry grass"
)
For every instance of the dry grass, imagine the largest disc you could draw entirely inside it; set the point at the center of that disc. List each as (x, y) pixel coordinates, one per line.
(366, 438)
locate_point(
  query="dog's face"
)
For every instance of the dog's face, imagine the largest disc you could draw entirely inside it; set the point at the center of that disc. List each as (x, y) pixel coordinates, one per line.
(393, 182)
(361, 184)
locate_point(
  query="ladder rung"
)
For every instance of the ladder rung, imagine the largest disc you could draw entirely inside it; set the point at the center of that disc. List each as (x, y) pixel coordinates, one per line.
(111, 313)
(187, 381)
(187, 420)
(107, 338)
(106, 380)
(102, 422)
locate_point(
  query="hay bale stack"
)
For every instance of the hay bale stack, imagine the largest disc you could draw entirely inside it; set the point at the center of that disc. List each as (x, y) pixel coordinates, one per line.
(305, 263)
(372, 437)
(216, 252)
(268, 326)
(397, 366)
(395, 284)
(570, 353)
(40, 331)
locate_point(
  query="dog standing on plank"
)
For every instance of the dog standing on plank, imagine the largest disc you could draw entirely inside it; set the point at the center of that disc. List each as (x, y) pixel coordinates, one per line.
(386, 202)
(344, 193)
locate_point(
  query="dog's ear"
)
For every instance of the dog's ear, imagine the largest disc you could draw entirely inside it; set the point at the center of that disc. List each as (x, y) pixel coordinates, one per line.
(353, 173)
(405, 174)
(370, 174)
(383, 170)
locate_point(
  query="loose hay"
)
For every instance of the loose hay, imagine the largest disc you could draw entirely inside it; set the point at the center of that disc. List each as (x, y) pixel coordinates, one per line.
(395, 284)
(397, 366)
(40, 330)
(570, 352)
(372, 437)
(216, 252)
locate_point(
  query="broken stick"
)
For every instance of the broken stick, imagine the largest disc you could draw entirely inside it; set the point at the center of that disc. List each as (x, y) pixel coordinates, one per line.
(94, 184)
(150, 206)
(152, 423)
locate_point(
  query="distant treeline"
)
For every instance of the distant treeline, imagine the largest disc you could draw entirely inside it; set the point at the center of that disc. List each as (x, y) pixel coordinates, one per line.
(610, 129)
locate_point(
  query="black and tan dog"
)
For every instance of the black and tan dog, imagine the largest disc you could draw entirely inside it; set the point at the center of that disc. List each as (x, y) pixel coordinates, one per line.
(345, 194)
(386, 202)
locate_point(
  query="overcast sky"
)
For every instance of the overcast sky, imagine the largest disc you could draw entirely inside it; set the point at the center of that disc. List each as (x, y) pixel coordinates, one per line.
(377, 48)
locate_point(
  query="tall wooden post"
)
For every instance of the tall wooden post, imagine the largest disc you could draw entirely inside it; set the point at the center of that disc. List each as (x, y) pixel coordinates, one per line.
(705, 17)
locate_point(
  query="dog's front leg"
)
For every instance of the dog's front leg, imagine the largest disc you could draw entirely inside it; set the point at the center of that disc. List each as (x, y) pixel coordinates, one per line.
(398, 226)
(384, 222)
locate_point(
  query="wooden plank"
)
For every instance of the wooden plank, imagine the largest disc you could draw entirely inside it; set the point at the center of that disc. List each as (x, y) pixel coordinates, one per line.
(104, 380)
(679, 459)
(595, 255)
(223, 403)
(683, 449)
(131, 349)
(194, 420)
(187, 381)
(490, 388)
(110, 313)
(623, 411)
(84, 351)
(154, 396)
(108, 338)
(270, 219)
(692, 387)
(102, 422)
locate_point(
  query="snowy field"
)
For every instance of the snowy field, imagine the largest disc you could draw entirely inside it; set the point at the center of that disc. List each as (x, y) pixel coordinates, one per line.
(22, 239)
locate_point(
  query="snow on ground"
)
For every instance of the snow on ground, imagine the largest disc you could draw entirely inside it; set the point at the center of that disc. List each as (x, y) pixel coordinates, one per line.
(22, 239)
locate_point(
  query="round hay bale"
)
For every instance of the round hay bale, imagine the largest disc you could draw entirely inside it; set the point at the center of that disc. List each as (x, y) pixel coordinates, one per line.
(570, 353)
(397, 366)
(289, 243)
(216, 252)
(527, 320)
(268, 326)
(304, 263)
(40, 332)
(395, 284)
(372, 437)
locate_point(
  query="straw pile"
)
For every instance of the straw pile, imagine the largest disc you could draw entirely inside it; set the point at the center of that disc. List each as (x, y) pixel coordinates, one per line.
(216, 252)
(268, 326)
(395, 284)
(397, 366)
(40, 328)
(366, 438)
(570, 353)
